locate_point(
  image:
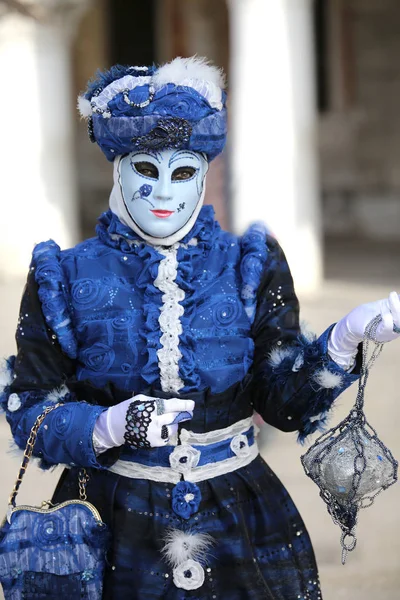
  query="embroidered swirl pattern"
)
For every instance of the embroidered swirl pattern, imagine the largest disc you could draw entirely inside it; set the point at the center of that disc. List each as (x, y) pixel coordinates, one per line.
(99, 357)
(62, 421)
(48, 531)
(226, 312)
(122, 323)
(87, 293)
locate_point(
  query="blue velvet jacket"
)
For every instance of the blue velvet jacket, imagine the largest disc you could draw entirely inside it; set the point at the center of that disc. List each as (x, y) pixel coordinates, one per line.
(89, 333)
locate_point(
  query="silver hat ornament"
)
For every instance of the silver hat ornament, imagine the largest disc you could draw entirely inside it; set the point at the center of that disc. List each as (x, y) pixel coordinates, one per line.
(349, 463)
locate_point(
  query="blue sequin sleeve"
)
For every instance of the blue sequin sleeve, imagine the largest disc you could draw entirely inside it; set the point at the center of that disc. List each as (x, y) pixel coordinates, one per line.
(293, 380)
(39, 378)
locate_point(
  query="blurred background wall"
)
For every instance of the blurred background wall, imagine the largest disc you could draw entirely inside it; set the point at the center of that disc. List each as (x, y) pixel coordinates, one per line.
(314, 126)
(313, 150)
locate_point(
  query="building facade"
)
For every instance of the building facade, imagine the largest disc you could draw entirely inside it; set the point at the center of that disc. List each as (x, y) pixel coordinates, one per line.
(315, 130)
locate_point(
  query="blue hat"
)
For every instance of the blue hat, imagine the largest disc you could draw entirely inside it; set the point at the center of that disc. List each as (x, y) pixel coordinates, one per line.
(178, 105)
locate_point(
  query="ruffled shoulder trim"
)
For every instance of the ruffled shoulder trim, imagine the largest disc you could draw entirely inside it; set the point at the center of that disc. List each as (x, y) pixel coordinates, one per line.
(52, 286)
(254, 256)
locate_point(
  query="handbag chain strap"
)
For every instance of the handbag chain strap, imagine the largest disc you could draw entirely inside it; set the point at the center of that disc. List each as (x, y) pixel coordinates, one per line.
(30, 444)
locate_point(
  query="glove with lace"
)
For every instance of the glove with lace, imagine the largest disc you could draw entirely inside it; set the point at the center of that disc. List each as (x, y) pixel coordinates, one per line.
(349, 331)
(141, 422)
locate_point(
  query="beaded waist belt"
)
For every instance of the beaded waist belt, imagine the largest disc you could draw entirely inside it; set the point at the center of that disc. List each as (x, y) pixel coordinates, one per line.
(198, 456)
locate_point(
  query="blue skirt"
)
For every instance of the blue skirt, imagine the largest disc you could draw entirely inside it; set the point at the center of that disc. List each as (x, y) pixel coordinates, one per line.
(261, 549)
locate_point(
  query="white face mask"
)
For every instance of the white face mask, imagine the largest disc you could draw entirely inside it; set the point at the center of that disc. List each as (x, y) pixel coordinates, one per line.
(162, 192)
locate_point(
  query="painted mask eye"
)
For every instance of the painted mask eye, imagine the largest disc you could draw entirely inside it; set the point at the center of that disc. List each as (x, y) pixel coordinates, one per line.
(147, 169)
(182, 173)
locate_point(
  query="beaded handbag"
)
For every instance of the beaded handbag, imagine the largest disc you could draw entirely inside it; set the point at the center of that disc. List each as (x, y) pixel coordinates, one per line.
(52, 551)
(349, 463)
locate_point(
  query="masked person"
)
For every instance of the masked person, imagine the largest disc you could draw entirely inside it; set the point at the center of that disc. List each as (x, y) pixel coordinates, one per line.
(161, 336)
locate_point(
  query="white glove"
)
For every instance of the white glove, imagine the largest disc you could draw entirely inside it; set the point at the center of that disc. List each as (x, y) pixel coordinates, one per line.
(349, 331)
(151, 422)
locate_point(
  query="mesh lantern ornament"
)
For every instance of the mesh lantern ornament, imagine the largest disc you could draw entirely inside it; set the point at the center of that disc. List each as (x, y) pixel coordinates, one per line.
(349, 463)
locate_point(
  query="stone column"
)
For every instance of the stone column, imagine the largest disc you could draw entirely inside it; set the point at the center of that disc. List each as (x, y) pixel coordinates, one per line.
(37, 183)
(273, 128)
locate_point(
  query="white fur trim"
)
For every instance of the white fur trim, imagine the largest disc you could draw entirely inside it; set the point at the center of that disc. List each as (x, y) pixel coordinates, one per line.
(14, 402)
(57, 394)
(84, 107)
(328, 380)
(194, 72)
(318, 417)
(5, 375)
(277, 355)
(299, 362)
(307, 332)
(181, 546)
(194, 67)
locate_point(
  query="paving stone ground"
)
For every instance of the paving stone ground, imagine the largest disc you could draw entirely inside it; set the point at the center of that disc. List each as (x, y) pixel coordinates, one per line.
(355, 275)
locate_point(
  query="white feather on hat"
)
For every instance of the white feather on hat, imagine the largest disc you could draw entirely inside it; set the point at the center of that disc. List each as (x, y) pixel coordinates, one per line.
(194, 72)
(84, 107)
(181, 69)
